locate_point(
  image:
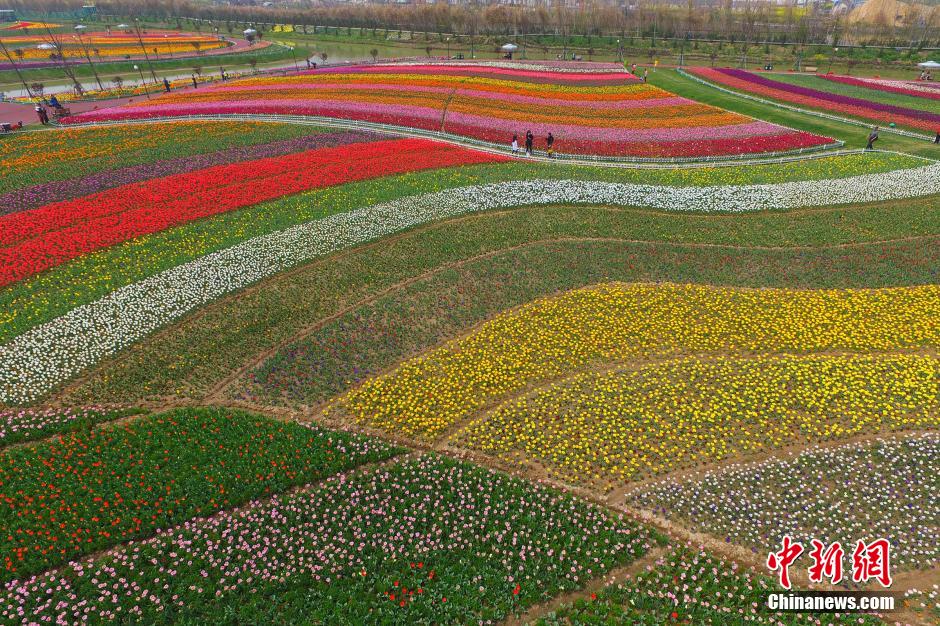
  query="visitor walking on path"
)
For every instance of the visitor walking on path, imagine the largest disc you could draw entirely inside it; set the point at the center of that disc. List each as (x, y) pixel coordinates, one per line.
(529, 140)
(550, 142)
(195, 83)
(515, 144)
(166, 85)
(937, 138)
(42, 115)
(646, 74)
(872, 138)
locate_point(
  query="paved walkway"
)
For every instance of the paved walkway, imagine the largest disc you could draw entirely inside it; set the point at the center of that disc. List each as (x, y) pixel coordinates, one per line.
(13, 112)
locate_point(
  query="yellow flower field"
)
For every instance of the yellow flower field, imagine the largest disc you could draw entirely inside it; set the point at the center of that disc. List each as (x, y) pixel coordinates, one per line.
(558, 336)
(629, 424)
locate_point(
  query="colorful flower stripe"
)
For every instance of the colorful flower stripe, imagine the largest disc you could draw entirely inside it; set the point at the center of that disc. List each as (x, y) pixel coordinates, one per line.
(656, 144)
(549, 338)
(41, 298)
(605, 114)
(427, 541)
(590, 67)
(108, 53)
(672, 424)
(891, 86)
(23, 25)
(831, 97)
(363, 90)
(42, 238)
(518, 74)
(750, 83)
(38, 195)
(33, 363)
(92, 489)
(885, 488)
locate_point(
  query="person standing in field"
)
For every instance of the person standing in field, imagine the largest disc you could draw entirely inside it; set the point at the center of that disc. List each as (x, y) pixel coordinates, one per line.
(41, 114)
(515, 144)
(872, 138)
(550, 143)
(646, 74)
(166, 85)
(529, 140)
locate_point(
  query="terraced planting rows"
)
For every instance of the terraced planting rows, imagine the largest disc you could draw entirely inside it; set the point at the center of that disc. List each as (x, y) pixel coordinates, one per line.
(555, 337)
(422, 539)
(261, 373)
(593, 109)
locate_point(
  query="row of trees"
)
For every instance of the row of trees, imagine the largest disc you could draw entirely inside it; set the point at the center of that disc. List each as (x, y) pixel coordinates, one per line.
(701, 19)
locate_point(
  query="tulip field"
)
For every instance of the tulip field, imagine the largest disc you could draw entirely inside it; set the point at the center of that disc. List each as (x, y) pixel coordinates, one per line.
(337, 369)
(103, 46)
(906, 106)
(605, 111)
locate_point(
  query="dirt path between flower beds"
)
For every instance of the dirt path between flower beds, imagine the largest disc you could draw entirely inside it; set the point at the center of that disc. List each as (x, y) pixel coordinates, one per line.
(593, 586)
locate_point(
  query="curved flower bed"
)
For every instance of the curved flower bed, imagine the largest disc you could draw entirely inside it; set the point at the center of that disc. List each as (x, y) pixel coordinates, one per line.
(700, 410)
(814, 98)
(904, 87)
(881, 489)
(588, 112)
(55, 191)
(33, 363)
(426, 541)
(554, 337)
(35, 240)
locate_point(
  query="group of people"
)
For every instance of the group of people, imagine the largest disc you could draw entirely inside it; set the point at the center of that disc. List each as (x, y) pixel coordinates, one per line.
(925, 75)
(646, 72)
(41, 111)
(530, 142)
(873, 137)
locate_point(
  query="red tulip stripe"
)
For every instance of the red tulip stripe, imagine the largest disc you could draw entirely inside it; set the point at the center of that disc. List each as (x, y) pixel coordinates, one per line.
(50, 235)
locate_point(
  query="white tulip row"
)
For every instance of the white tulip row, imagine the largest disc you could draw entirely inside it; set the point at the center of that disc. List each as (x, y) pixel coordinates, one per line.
(33, 363)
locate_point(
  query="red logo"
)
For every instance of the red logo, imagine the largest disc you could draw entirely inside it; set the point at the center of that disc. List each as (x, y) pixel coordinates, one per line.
(872, 561)
(826, 563)
(869, 561)
(781, 561)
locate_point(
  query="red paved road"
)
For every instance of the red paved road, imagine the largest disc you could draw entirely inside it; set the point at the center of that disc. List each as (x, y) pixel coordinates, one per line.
(26, 113)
